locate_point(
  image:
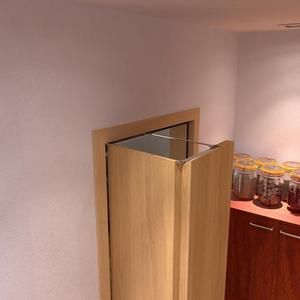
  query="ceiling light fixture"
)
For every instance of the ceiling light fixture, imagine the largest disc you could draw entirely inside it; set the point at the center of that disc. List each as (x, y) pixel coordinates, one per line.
(290, 25)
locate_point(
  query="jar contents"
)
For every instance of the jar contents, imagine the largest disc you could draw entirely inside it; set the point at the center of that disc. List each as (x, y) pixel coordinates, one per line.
(289, 167)
(270, 185)
(244, 181)
(236, 157)
(261, 161)
(294, 192)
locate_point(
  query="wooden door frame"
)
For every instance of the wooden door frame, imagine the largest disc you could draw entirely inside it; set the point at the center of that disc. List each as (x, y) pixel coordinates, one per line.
(107, 135)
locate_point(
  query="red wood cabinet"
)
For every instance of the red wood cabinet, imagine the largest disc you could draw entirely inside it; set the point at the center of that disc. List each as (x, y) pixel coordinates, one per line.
(263, 258)
(287, 278)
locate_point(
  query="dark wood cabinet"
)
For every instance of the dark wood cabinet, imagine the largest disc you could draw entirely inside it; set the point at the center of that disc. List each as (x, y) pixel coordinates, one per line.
(250, 257)
(287, 283)
(263, 258)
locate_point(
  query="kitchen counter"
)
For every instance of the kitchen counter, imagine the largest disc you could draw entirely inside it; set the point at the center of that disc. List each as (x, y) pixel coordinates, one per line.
(254, 207)
(263, 252)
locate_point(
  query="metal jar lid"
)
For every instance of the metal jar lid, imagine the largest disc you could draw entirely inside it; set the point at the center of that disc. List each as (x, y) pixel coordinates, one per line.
(238, 156)
(265, 160)
(246, 165)
(272, 170)
(291, 166)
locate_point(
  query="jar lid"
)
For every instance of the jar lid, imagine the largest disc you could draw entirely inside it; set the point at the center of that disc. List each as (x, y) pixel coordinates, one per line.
(246, 164)
(290, 166)
(265, 160)
(238, 156)
(272, 170)
(296, 175)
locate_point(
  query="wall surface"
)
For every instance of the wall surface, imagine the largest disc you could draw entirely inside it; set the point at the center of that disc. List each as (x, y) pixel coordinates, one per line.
(268, 95)
(65, 70)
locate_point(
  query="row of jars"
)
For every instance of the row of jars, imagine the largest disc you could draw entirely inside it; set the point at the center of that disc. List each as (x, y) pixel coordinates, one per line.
(271, 182)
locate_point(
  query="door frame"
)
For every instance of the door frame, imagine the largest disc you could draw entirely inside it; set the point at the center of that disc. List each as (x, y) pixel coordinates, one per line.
(101, 137)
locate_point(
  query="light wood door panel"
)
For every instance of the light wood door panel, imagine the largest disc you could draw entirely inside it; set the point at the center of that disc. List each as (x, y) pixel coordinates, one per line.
(101, 137)
(205, 218)
(168, 224)
(141, 213)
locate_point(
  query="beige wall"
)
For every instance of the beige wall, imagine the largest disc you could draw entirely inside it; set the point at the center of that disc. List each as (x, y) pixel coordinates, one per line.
(268, 95)
(65, 70)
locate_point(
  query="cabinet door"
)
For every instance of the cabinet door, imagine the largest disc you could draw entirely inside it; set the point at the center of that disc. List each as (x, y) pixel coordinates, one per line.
(168, 224)
(251, 258)
(206, 182)
(142, 215)
(288, 264)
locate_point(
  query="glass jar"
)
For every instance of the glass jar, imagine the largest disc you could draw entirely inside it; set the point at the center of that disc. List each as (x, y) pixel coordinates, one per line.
(289, 167)
(261, 161)
(270, 185)
(294, 192)
(244, 180)
(236, 157)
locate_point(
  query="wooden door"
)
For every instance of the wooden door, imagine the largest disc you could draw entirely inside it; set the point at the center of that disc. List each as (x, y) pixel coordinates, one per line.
(206, 182)
(251, 257)
(142, 214)
(287, 284)
(168, 224)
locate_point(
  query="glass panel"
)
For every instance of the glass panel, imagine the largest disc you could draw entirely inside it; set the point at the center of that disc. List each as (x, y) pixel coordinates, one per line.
(160, 146)
(155, 145)
(170, 142)
(175, 149)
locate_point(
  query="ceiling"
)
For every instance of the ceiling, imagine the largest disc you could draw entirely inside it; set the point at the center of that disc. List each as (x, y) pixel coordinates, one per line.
(233, 15)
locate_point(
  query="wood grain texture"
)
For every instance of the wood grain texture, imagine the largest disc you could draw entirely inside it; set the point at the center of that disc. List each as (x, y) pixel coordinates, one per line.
(142, 192)
(287, 275)
(185, 211)
(262, 264)
(205, 221)
(100, 138)
(252, 257)
(168, 224)
(177, 231)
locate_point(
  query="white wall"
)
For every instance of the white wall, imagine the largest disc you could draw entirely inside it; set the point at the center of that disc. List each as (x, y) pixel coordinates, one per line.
(268, 95)
(65, 70)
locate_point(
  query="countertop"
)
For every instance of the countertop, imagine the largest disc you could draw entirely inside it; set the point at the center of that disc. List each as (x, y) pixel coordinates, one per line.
(253, 206)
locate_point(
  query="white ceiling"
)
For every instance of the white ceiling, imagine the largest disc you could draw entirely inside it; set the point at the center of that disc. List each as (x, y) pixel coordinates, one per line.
(235, 15)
